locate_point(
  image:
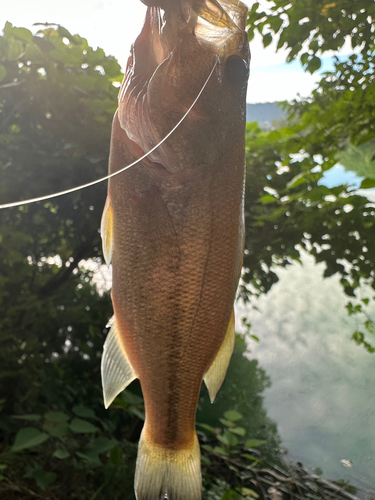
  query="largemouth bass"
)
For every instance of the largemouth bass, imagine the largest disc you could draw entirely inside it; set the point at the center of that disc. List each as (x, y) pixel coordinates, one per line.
(173, 228)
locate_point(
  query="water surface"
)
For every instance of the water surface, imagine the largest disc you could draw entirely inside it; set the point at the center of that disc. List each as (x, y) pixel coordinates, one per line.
(323, 392)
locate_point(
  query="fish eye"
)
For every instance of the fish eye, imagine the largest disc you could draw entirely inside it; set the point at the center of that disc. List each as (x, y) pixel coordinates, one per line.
(236, 71)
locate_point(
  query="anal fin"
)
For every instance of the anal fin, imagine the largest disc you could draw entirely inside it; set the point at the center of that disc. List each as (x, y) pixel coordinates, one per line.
(106, 230)
(117, 372)
(215, 375)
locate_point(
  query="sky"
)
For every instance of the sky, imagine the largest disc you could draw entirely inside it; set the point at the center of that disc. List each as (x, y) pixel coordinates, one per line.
(114, 24)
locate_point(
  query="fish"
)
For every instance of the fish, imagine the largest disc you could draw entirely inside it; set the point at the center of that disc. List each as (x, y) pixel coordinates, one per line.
(173, 228)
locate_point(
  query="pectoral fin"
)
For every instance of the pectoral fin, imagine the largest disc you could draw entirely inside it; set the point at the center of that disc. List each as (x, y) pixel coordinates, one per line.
(106, 230)
(215, 375)
(117, 372)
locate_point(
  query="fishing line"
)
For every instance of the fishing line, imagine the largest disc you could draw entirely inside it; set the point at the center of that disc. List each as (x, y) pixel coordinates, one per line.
(98, 181)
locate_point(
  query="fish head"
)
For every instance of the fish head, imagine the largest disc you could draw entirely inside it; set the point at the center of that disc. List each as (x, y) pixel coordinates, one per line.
(184, 46)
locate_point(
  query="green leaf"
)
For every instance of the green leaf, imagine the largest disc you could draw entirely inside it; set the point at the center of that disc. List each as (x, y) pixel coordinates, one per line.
(112, 68)
(101, 445)
(44, 478)
(240, 431)
(249, 493)
(3, 47)
(206, 447)
(231, 495)
(15, 50)
(3, 466)
(43, 44)
(304, 58)
(254, 443)
(22, 34)
(367, 184)
(116, 456)
(64, 33)
(131, 398)
(135, 411)
(61, 453)
(358, 337)
(81, 426)
(206, 427)
(3, 72)
(30, 417)
(232, 415)
(28, 438)
(228, 439)
(205, 460)
(83, 411)
(227, 423)
(250, 457)
(98, 446)
(56, 429)
(267, 40)
(220, 450)
(314, 64)
(8, 29)
(275, 23)
(56, 416)
(297, 180)
(369, 325)
(267, 199)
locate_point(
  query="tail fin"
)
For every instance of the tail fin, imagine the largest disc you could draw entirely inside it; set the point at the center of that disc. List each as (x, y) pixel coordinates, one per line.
(162, 472)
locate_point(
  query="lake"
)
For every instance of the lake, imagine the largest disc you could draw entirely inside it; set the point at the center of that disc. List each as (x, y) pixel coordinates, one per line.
(322, 393)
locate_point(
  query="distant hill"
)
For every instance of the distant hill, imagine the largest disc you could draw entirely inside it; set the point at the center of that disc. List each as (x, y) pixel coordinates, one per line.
(264, 113)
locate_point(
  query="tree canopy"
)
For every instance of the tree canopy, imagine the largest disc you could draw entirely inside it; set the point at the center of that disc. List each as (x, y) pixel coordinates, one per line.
(293, 208)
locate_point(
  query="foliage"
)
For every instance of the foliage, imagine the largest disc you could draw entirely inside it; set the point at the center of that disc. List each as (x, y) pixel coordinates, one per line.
(312, 27)
(58, 96)
(96, 449)
(286, 167)
(55, 113)
(242, 392)
(359, 159)
(288, 208)
(75, 443)
(236, 468)
(56, 107)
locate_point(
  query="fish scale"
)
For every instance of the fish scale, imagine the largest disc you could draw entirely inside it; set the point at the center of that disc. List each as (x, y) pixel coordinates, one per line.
(173, 228)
